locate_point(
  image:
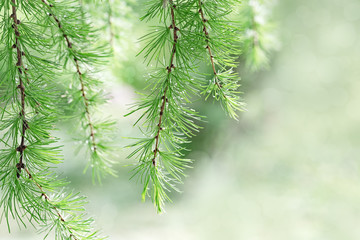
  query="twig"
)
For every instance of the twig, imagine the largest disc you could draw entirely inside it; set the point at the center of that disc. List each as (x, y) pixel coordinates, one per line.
(169, 69)
(78, 71)
(207, 36)
(19, 65)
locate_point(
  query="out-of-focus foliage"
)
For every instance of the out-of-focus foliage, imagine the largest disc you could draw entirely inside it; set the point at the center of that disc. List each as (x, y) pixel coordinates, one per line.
(259, 32)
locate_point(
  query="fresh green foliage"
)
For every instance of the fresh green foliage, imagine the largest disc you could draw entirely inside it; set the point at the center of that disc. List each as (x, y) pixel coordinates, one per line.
(79, 53)
(221, 36)
(189, 33)
(168, 121)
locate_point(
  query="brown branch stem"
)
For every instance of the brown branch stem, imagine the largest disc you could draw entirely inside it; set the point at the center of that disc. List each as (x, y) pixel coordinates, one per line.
(169, 69)
(78, 71)
(207, 36)
(20, 67)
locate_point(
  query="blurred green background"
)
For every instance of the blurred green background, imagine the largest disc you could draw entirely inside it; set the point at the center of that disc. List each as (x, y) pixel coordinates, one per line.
(289, 169)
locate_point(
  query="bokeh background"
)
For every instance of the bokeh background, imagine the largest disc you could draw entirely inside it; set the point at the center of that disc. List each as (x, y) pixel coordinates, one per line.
(288, 169)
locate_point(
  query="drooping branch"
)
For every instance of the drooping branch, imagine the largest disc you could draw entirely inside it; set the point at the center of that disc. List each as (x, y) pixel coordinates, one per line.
(47, 199)
(79, 73)
(169, 69)
(21, 148)
(225, 82)
(20, 67)
(207, 37)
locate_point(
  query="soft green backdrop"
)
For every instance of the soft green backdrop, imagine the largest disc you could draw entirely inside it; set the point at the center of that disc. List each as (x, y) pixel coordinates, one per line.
(289, 169)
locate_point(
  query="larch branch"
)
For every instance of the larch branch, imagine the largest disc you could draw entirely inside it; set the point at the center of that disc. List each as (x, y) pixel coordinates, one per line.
(207, 36)
(80, 75)
(20, 67)
(169, 69)
(46, 197)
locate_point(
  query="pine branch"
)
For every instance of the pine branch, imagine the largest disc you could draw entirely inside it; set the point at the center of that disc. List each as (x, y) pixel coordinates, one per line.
(204, 20)
(225, 83)
(19, 66)
(169, 68)
(57, 211)
(78, 71)
(168, 121)
(100, 165)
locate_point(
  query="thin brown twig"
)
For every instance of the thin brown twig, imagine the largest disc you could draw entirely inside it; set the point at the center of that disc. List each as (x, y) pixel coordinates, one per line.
(20, 66)
(57, 211)
(207, 36)
(169, 69)
(78, 71)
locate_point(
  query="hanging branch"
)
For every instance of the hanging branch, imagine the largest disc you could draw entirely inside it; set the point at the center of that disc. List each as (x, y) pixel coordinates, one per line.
(168, 68)
(204, 20)
(160, 154)
(76, 62)
(57, 211)
(100, 160)
(225, 81)
(168, 121)
(19, 65)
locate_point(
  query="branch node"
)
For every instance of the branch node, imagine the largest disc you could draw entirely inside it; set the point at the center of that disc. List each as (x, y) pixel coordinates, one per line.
(21, 148)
